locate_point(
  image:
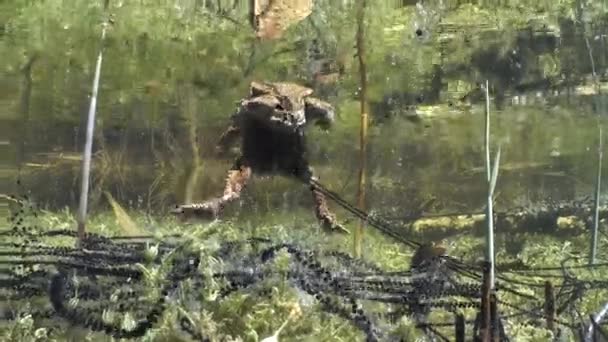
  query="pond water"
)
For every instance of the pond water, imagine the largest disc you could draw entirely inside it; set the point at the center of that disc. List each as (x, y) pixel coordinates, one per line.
(168, 89)
(412, 84)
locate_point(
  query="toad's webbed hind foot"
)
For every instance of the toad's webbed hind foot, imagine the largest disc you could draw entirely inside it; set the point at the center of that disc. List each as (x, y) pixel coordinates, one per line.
(330, 224)
(327, 220)
(209, 210)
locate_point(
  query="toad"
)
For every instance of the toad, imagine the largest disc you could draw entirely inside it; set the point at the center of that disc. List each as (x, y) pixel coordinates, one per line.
(271, 124)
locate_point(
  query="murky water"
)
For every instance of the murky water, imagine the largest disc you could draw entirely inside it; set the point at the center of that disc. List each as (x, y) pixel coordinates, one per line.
(168, 93)
(172, 75)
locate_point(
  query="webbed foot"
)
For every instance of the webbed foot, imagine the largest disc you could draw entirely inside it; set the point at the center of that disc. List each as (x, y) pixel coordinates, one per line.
(209, 210)
(330, 225)
(326, 218)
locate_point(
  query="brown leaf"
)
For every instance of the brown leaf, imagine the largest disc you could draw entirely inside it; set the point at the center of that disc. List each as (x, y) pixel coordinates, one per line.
(273, 17)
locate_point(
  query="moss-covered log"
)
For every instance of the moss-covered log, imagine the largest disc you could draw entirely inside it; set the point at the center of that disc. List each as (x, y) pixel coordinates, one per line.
(570, 217)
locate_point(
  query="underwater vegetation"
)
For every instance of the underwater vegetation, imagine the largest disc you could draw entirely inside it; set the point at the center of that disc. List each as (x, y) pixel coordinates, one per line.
(213, 282)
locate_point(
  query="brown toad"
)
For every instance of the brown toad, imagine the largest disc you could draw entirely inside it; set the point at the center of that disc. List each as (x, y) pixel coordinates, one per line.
(271, 123)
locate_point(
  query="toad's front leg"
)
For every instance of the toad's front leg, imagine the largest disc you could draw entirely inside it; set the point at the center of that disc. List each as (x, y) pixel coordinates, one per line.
(227, 138)
(211, 209)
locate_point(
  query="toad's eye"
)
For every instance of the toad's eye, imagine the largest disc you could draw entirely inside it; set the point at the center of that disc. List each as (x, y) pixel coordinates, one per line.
(279, 107)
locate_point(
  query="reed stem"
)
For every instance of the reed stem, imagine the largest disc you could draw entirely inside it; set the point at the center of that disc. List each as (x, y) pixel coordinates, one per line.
(88, 147)
(358, 236)
(489, 179)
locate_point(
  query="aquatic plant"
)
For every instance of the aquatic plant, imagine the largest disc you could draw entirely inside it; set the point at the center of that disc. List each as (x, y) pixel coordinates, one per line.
(213, 282)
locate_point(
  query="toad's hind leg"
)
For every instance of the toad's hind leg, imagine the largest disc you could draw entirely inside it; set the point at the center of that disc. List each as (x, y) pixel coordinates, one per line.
(324, 215)
(326, 218)
(236, 181)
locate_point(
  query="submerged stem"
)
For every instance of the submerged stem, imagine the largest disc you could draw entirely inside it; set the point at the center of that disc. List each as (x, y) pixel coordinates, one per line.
(489, 178)
(88, 147)
(596, 217)
(358, 236)
(597, 318)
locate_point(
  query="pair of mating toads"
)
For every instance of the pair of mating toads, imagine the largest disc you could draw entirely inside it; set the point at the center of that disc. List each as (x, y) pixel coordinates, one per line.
(271, 123)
